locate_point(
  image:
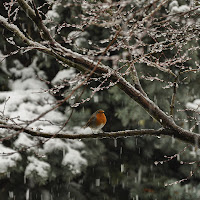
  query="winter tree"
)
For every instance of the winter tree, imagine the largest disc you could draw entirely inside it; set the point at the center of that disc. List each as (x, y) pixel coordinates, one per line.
(139, 60)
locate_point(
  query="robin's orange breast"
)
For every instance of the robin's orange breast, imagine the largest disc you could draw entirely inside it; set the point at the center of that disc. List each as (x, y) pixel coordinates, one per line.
(100, 119)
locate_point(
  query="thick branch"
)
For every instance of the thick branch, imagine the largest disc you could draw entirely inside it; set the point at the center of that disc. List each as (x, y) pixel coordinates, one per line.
(81, 136)
(183, 135)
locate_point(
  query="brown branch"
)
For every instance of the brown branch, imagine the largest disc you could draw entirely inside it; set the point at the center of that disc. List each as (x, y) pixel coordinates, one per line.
(162, 3)
(82, 136)
(180, 134)
(172, 105)
(36, 18)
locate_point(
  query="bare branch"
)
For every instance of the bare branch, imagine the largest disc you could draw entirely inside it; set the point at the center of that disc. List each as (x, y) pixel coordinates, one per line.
(172, 106)
(37, 19)
(183, 135)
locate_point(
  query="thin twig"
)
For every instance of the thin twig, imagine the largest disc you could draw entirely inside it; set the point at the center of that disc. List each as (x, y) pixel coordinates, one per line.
(172, 105)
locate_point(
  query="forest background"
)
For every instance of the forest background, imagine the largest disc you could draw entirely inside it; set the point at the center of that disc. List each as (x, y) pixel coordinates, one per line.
(31, 82)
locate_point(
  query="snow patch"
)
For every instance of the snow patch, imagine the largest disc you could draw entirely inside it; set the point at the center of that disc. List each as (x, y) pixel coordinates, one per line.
(8, 158)
(23, 141)
(175, 8)
(55, 144)
(27, 84)
(74, 160)
(64, 74)
(37, 166)
(194, 106)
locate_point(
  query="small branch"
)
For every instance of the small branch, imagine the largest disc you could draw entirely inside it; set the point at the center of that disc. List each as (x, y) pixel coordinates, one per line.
(155, 10)
(36, 18)
(13, 28)
(69, 58)
(136, 80)
(172, 106)
(156, 65)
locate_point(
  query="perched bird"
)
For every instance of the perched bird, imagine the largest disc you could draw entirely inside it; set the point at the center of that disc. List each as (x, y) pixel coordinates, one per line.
(97, 121)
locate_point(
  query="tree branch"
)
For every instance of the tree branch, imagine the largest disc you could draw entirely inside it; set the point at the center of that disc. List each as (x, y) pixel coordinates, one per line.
(82, 63)
(36, 18)
(185, 136)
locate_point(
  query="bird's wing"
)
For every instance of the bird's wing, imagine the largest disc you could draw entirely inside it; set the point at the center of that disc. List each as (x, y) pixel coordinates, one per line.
(91, 120)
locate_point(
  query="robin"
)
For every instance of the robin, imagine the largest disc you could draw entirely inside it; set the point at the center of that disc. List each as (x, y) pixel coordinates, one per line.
(97, 121)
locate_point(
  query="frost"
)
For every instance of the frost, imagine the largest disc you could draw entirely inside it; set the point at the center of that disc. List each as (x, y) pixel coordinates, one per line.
(7, 161)
(74, 160)
(39, 167)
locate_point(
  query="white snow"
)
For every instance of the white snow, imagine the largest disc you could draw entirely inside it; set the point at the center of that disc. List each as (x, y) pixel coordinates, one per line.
(64, 74)
(74, 160)
(37, 166)
(184, 8)
(53, 14)
(27, 105)
(175, 8)
(55, 144)
(80, 130)
(24, 141)
(27, 84)
(173, 4)
(4, 20)
(79, 42)
(194, 106)
(7, 161)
